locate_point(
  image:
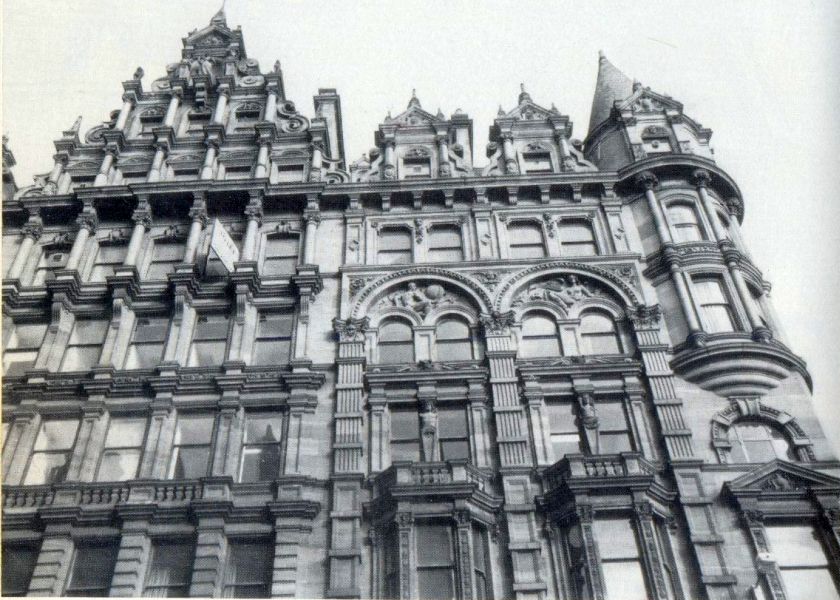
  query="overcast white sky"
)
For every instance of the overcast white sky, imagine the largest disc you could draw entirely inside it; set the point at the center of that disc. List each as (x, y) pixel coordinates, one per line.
(765, 76)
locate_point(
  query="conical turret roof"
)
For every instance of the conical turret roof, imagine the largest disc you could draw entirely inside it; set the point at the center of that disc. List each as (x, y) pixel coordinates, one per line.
(612, 85)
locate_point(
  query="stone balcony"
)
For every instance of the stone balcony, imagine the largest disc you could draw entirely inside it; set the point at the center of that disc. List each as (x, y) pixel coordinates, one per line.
(604, 471)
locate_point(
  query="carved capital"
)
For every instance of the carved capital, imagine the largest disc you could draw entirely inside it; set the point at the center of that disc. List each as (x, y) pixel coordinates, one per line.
(33, 228)
(701, 178)
(198, 212)
(142, 215)
(753, 518)
(497, 322)
(646, 180)
(644, 317)
(350, 329)
(254, 212)
(87, 220)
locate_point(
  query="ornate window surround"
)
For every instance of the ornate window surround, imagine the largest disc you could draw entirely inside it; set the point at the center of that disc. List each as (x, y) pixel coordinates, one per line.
(741, 408)
(781, 491)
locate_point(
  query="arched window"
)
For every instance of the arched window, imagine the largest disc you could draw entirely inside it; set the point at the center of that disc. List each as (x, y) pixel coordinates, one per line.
(394, 247)
(598, 334)
(445, 244)
(539, 336)
(453, 340)
(684, 223)
(756, 442)
(577, 238)
(526, 240)
(396, 342)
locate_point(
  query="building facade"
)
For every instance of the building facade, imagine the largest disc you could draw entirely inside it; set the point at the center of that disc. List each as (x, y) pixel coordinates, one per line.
(236, 365)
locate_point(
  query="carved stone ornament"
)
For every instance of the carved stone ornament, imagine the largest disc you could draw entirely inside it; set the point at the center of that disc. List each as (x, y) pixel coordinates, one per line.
(420, 300)
(645, 317)
(351, 330)
(357, 284)
(497, 322)
(389, 172)
(488, 278)
(417, 152)
(646, 180)
(33, 228)
(780, 482)
(562, 291)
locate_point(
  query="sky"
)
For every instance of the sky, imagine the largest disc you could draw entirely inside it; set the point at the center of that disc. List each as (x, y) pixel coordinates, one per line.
(764, 76)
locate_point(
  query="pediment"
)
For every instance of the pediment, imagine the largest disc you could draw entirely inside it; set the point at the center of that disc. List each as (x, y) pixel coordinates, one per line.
(212, 36)
(782, 476)
(529, 111)
(644, 100)
(414, 116)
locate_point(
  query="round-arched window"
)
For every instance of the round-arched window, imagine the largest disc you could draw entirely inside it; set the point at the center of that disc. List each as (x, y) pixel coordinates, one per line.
(598, 334)
(453, 340)
(539, 336)
(756, 442)
(396, 342)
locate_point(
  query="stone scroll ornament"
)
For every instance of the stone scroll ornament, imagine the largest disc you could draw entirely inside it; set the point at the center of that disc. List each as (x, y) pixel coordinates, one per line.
(562, 291)
(418, 299)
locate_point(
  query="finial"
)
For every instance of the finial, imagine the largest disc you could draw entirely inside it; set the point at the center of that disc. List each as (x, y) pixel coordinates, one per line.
(77, 124)
(138, 74)
(414, 100)
(501, 112)
(636, 84)
(276, 66)
(523, 95)
(601, 56)
(219, 18)
(554, 108)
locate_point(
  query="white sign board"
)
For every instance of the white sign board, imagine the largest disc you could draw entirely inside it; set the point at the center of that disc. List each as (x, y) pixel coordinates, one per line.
(223, 245)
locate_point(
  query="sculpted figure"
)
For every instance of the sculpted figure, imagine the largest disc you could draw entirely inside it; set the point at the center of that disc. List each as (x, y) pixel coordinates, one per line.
(577, 290)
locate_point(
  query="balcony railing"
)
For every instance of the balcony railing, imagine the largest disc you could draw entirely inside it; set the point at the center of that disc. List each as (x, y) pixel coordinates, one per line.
(431, 475)
(603, 466)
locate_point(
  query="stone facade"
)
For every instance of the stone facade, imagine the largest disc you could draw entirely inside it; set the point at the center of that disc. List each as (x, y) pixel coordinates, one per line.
(558, 375)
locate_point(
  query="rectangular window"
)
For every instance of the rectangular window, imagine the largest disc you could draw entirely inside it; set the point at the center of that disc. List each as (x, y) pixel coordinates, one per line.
(165, 255)
(452, 433)
(563, 427)
(108, 258)
(209, 341)
(51, 456)
(714, 306)
(197, 121)
(237, 173)
(281, 255)
(394, 247)
(445, 244)
(803, 562)
(123, 448)
(261, 447)
(481, 565)
(249, 569)
(417, 168)
(170, 570)
(435, 561)
(147, 342)
(621, 561)
(18, 566)
(273, 341)
(613, 429)
(526, 240)
(85, 345)
(289, 173)
(191, 447)
(577, 239)
(405, 434)
(51, 260)
(93, 568)
(22, 348)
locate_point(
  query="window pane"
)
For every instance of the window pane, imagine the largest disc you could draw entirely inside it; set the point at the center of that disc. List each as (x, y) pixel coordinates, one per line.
(80, 358)
(527, 251)
(435, 584)
(709, 291)
(263, 428)
(810, 584)
(27, 336)
(260, 463)
(272, 352)
(616, 538)
(447, 351)
(396, 353)
(452, 422)
(206, 354)
(248, 569)
(525, 233)
(596, 323)
(168, 252)
(718, 319)
(47, 468)
(125, 433)
(194, 430)
(89, 331)
(395, 239)
(143, 356)
(118, 465)
(18, 565)
(211, 327)
(405, 451)
(57, 435)
(393, 331)
(405, 425)
(445, 237)
(274, 325)
(434, 545)
(151, 329)
(576, 232)
(191, 462)
(796, 546)
(93, 567)
(538, 325)
(452, 329)
(171, 570)
(454, 449)
(625, 580)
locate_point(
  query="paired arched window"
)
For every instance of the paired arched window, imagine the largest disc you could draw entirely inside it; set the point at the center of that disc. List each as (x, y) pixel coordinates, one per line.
(757, 442)
(396, 342)
(539, 336)
(598, 334)
(526, 240)
(685, 225)
(453, 339)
